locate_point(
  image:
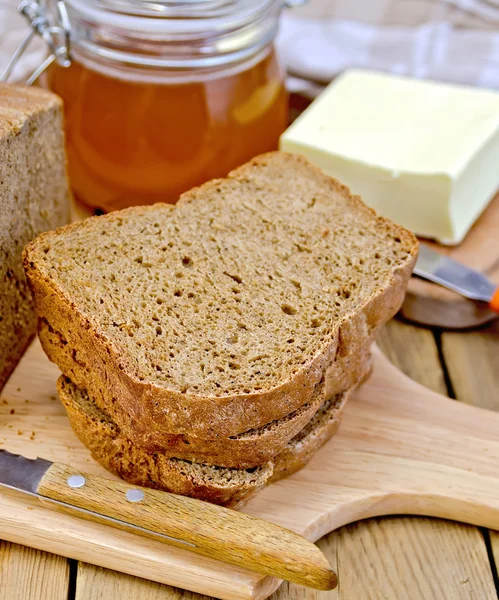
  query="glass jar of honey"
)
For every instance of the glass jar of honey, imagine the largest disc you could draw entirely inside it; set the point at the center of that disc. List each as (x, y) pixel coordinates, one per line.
(161, 96)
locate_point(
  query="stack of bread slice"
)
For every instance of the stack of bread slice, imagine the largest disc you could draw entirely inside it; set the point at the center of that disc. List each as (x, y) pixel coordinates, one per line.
(209, 348)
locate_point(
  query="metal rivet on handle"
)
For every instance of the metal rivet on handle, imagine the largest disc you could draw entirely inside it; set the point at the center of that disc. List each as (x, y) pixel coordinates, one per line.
(135, 495)
(76, 481)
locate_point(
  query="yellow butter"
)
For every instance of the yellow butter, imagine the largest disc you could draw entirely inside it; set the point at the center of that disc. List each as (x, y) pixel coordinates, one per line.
(424, 154)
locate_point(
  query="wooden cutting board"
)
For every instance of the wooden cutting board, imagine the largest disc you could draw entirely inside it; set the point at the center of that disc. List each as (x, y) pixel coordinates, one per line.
(401, 449)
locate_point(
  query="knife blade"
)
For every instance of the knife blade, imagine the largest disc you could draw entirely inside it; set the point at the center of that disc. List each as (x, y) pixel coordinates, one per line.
(455, 276)
(201, 527)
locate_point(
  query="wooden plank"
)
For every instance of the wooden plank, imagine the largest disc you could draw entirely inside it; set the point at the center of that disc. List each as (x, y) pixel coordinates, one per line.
(494, 540)
(472, 361)
(409, 559)
(27, 574)
(399, 447)
(406, 558)
(95, 583)
(413, 351)
(403, 559)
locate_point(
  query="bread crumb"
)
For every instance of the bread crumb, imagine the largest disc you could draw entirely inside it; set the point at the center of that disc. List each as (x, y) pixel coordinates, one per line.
(32, 436)
(12, 411)
(18, 389)
(19, 432)
(4, 401)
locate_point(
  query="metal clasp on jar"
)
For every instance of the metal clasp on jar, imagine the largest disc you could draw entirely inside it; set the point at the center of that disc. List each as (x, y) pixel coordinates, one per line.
(57, 36)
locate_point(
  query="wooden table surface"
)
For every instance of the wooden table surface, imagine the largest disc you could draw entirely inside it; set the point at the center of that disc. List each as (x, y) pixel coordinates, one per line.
(390, 558)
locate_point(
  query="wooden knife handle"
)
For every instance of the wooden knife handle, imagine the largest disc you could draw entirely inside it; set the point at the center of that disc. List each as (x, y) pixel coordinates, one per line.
(198, 526)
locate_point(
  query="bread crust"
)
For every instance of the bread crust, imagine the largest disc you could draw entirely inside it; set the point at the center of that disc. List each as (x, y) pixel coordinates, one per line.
(115, 452)
(249, 449)
(299, 452)
(34, 197)
(146, 410)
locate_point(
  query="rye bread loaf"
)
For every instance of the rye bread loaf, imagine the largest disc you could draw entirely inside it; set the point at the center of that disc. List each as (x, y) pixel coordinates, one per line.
(244, 450)
(34, 197)
(223, 313)
(227, 486)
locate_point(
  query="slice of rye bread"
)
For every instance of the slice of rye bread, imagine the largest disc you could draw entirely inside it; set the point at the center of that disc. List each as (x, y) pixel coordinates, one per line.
(223, 313)
(244, 450)
(221, 485)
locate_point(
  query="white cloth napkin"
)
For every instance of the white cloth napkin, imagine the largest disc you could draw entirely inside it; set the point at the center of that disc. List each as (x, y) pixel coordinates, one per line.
(448, 40)
(13, 29)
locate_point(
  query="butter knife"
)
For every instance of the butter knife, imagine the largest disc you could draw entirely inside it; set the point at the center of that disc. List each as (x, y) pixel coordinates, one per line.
(455, 276)
(204, 528)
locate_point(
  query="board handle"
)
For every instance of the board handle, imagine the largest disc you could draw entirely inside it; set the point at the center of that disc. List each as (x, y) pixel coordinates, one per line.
(204, 528)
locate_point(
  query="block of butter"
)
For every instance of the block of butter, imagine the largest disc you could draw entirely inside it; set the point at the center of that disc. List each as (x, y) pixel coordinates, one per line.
(424, 154)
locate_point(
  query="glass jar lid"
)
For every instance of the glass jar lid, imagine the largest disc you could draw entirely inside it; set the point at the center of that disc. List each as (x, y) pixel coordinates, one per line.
(173, 34)
(166, 8)
(159, 34)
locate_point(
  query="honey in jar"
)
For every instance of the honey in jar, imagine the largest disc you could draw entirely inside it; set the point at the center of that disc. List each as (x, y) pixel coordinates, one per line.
(158, 102)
